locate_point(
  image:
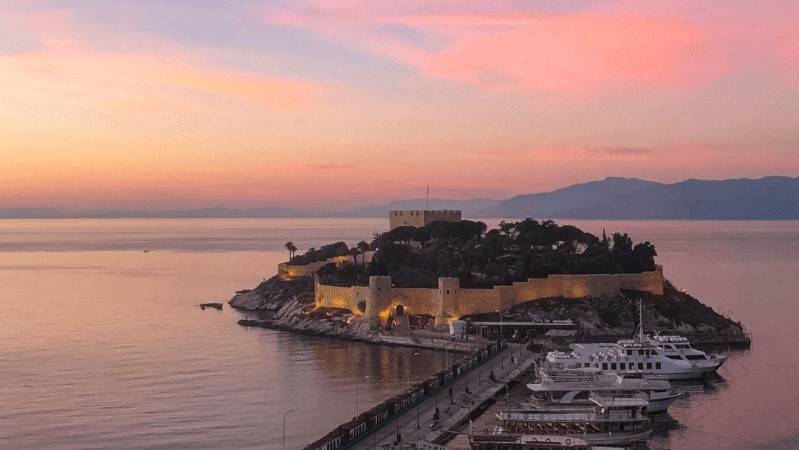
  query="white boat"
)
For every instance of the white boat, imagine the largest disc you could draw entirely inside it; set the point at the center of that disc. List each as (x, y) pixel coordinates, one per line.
(505, 441)
(678, 347)
(667, 357)
(609, 420)
(571, 385)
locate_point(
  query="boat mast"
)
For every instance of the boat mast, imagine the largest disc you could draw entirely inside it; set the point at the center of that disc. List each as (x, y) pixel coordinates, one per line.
(640, 322)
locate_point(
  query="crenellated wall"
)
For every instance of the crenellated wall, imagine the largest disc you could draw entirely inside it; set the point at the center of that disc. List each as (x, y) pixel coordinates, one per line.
(449, 301)
(286, 270)
(335, 297)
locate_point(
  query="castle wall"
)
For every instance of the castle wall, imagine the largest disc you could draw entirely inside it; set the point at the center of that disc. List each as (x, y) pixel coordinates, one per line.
(335, 297)
(415, 300)
(577, 286)
(450, 301)
(647, 281)
(286, 270)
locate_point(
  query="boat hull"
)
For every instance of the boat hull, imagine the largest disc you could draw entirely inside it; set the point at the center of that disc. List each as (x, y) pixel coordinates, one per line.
(658, 405)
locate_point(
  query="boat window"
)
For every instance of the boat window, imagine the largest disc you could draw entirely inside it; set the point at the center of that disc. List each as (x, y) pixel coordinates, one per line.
(657, 365)
(693, 357)
(674, 356)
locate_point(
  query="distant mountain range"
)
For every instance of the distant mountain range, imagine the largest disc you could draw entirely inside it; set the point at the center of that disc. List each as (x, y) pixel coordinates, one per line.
(770, 198)
(40, 213)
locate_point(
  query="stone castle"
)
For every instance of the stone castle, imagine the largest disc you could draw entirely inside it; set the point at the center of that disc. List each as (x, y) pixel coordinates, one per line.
(421, 217)
(380, 299)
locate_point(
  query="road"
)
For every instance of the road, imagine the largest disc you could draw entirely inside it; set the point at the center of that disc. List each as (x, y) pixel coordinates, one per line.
(415, 424)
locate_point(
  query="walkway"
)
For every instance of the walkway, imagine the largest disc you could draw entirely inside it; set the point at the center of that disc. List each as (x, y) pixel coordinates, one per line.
(415, 424)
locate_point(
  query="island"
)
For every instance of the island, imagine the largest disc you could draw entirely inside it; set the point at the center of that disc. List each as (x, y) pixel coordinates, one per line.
(435, 280)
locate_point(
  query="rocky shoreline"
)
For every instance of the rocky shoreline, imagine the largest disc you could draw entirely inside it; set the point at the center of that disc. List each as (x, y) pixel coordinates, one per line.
(288, 305)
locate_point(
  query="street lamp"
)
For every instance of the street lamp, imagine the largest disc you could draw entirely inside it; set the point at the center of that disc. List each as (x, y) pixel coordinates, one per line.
(501, 338)
(357, 381)
(284, 425)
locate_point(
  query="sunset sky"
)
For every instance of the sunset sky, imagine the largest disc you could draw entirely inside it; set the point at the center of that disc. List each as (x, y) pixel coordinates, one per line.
(165, 104)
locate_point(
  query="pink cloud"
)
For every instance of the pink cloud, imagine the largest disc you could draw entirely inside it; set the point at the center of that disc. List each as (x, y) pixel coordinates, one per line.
(57, 58)
(618, 45)
(569, 54)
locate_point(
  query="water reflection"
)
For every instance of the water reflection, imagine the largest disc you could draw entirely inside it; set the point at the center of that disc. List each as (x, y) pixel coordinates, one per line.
(102, 345)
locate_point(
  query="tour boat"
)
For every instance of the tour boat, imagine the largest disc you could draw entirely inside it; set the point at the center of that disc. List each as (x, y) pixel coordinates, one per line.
(507, 441)
(568, 386)
(678, 347)
(667, 357)
(609, 420)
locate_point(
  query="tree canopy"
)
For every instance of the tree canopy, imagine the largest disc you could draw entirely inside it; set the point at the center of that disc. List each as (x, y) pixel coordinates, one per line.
(515, 251)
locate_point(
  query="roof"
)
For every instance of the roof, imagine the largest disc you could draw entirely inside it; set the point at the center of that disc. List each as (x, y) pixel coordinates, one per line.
(561, 333)
(536, 323)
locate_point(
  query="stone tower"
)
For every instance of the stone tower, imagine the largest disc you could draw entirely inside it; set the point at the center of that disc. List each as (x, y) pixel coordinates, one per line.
(447, 288)
(379, 298)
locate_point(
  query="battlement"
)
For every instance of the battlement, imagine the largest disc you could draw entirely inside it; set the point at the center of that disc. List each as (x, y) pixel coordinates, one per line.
(449, 301)
(421, 217)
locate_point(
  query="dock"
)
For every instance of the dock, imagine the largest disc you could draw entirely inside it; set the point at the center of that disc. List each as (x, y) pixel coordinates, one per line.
(415, 424)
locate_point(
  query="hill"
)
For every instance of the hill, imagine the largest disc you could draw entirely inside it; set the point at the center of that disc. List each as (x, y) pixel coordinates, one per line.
(770, 198)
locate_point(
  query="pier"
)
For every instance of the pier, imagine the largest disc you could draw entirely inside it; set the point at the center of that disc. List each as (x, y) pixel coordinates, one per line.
(415, 424)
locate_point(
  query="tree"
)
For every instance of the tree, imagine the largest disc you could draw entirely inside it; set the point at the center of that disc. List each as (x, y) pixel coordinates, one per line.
(291, 248)
(363, 247)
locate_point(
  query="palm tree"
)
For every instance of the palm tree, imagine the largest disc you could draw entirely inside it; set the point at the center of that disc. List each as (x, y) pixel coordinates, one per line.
(363, 247)
(291, 248)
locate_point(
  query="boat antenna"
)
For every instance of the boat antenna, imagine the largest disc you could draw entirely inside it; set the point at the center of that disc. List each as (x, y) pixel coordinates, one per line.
(640, 321)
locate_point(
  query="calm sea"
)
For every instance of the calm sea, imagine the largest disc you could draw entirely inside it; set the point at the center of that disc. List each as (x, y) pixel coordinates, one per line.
(102, 345)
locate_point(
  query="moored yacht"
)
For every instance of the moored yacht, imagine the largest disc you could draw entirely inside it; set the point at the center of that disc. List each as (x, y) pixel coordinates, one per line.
(678, 347)
(506, 441)
(571, 385)
(608, 420)
(640, 356)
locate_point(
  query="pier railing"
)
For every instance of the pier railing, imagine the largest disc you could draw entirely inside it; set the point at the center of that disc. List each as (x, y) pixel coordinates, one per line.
(349, 433)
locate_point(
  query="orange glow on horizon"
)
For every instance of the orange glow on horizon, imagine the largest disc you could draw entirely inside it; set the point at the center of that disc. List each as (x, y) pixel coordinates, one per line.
(352, 102)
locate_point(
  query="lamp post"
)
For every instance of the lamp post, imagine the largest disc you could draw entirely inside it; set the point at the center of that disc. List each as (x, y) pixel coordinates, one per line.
(501, 338)
(357, 381)
(284, 425)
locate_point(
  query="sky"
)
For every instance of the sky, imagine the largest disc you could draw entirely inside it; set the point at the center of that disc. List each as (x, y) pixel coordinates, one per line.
(192, 103)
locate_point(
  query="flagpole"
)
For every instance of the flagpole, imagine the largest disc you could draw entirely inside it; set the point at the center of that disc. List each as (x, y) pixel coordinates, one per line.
(428, 197)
